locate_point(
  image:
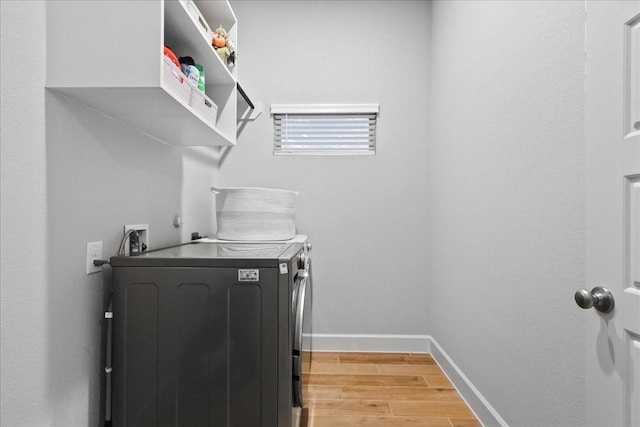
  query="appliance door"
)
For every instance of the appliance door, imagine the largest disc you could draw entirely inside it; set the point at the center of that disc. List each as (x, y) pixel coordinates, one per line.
(302, 322)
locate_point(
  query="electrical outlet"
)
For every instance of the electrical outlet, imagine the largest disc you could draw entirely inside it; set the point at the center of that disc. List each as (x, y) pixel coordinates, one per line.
(143, 234)
(94, 251)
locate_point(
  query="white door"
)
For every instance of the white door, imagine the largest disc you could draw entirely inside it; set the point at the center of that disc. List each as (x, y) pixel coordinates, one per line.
(613, 211)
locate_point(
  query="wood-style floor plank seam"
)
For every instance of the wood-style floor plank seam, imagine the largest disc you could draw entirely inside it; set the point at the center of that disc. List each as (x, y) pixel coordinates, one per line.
(381, 390)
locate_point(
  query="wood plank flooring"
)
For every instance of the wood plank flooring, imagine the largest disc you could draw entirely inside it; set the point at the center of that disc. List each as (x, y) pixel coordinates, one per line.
(381, 390)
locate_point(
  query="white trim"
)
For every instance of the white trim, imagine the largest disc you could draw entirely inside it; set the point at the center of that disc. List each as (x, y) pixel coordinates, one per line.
(323, 153)
(370, 342)
(324, 108)
(480, 406)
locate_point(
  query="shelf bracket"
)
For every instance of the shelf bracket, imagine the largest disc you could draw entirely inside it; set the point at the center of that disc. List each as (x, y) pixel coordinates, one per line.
(254, 110)
(246, 97)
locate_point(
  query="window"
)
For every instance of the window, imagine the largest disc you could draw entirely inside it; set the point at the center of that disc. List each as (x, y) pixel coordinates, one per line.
(324, 129)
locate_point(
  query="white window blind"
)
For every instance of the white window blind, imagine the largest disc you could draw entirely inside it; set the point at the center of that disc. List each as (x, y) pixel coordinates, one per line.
(325, 129)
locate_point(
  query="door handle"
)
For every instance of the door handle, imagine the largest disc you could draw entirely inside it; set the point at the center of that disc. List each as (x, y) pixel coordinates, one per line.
(600, 298)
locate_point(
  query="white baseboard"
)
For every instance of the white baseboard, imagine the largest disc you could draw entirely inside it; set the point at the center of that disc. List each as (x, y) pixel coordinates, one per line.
(370, 342)
(480, 406)
(483, 410)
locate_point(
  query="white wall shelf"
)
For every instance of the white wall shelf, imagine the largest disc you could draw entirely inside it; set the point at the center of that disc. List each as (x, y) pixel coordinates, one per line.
(109, 56)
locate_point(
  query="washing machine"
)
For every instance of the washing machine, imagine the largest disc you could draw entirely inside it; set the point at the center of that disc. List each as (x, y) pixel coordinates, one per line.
(211, 333)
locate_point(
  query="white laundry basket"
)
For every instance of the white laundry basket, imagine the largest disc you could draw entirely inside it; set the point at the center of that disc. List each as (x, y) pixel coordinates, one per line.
(249, 213)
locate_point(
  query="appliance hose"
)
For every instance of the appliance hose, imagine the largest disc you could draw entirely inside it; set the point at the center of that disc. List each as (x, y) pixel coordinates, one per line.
(108, 315)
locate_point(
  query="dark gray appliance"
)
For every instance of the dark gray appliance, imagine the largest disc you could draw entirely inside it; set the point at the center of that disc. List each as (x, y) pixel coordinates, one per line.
(209, 334)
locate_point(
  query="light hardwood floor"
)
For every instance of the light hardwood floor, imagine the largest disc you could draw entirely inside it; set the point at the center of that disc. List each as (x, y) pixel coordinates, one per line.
(381, 390)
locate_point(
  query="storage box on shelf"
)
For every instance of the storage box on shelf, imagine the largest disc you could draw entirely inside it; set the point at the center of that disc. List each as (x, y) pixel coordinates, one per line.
(119, 48)
(198, 19)
(174, 82)
(203, 105)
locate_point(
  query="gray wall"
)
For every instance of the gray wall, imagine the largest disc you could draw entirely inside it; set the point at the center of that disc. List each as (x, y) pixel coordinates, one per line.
(366, 215)
(503, 167)
(24, 390)
(70, 176)
(506, 180)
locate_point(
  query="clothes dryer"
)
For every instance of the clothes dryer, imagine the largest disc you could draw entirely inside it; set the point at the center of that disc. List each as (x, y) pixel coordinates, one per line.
(211, 333)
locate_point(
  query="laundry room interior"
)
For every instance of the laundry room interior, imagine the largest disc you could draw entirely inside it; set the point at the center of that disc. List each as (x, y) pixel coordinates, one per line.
(463, 236)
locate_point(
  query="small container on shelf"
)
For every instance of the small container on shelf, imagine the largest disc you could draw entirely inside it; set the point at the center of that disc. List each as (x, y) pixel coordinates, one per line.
(199, 20)
(203, 105)
(174, 82)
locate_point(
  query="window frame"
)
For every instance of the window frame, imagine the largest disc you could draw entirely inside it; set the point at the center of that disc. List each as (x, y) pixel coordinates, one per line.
(280, 112)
